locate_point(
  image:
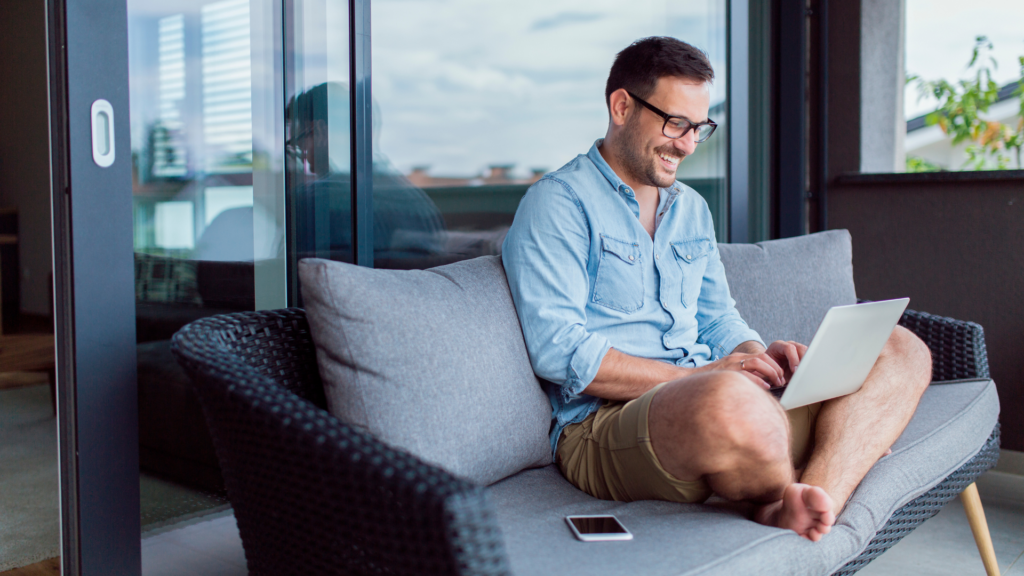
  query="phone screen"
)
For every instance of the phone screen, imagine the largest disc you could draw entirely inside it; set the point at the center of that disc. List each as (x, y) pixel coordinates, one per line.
(597, 525)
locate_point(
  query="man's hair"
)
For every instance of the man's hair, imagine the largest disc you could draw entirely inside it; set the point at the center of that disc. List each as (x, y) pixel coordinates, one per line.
(639, 66)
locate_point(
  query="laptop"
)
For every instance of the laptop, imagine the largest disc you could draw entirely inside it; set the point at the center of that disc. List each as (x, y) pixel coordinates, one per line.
(842, 352)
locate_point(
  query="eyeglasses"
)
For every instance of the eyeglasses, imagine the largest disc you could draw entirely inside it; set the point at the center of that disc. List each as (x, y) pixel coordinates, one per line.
(677, 127)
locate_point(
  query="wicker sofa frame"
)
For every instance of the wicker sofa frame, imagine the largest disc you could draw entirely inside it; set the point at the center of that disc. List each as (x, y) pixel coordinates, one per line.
(313, 495)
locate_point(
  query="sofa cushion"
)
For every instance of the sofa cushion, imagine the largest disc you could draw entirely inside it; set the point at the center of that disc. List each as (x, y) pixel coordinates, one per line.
(430, 361)
(951, 425)
(783, 288)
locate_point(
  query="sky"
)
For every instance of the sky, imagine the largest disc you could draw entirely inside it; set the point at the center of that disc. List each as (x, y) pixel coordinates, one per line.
(940, 36)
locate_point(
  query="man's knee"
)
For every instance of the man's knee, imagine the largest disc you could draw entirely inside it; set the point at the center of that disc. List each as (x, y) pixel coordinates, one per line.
(911, 352)
(744, 421)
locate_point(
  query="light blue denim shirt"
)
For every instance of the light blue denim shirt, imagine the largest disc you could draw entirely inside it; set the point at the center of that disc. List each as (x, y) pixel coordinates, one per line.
(586, 276)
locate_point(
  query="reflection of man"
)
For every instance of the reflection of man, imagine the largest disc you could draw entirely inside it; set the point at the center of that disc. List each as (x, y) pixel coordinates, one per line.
(657, 385)
(407, 226)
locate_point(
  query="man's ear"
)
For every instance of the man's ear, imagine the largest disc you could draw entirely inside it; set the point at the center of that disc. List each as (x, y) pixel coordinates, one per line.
(620, 106)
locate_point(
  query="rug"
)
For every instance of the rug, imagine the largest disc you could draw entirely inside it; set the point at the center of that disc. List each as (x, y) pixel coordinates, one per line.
(29, 489)
(29, 497)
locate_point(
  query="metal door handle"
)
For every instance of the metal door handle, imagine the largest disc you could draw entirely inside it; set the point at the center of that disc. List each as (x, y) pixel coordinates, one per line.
(102, 133)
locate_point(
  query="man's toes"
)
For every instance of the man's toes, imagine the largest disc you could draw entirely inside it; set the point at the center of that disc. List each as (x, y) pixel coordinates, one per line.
(817, 499)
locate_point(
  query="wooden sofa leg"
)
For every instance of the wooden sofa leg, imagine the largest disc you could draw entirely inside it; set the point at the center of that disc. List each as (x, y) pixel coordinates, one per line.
(979, 526)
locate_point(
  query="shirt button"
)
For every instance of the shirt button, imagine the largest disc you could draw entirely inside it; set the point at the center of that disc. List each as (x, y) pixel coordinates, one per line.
(630, 257)
(688, 257)
(657, 256)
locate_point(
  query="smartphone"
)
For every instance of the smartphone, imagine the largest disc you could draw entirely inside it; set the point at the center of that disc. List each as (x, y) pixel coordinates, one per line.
(597, 528)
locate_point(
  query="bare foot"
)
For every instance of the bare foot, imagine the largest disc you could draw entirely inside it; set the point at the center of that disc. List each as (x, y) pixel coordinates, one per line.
(804, 509)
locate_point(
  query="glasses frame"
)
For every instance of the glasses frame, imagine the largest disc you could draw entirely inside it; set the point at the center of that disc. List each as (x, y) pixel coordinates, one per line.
(669, 117)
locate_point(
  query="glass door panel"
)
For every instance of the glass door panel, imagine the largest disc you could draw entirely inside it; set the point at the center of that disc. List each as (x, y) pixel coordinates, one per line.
(207, 188)
(476, 100)
(473, 101)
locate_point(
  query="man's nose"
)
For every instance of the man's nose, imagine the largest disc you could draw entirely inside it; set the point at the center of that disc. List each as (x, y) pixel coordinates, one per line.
(687, 143)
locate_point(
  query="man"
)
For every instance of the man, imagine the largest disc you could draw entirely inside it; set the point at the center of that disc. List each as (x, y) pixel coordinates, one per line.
(658, 387)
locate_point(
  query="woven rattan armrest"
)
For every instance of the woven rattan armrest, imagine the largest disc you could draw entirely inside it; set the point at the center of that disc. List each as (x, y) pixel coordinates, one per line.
(957, 346)
(311, 494)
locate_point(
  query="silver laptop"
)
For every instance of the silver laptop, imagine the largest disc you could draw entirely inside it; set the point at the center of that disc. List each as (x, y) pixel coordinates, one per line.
(843, 351)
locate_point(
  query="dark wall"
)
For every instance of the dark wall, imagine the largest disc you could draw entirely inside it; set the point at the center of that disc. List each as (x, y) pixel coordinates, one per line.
(24, 148)
(953, 243)
(843, 87)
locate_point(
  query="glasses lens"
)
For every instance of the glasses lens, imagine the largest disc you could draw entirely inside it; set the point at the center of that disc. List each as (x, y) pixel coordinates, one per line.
(704, 132)
(675, 128)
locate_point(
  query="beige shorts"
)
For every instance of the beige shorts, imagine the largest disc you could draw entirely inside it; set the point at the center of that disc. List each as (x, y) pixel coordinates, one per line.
(609, 455)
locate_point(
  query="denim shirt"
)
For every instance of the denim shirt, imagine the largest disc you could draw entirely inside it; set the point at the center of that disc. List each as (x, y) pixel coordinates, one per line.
(586, 276)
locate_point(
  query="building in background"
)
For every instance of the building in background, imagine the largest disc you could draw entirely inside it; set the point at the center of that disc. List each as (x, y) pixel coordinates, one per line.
(934, 149)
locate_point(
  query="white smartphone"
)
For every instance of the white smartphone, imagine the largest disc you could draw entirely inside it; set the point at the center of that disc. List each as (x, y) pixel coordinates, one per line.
(597, 528)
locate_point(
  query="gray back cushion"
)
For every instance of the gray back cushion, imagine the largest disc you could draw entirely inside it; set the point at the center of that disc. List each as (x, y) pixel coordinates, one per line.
(430, 361)
(783, 288)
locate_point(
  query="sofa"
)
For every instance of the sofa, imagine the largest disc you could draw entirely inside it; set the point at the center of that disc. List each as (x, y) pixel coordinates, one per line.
(388, 482)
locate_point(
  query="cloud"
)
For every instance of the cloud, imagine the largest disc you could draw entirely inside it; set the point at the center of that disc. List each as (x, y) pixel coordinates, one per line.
(565, 19)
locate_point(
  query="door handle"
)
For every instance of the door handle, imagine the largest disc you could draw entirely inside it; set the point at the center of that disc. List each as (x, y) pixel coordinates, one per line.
(102, 133)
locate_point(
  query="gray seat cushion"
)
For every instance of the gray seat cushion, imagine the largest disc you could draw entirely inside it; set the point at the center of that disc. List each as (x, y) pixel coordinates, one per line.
(783, 288)
(430, 361)
(952, 423)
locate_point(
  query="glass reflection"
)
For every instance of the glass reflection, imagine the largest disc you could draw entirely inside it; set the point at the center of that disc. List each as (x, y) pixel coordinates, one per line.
(193, 90)
(408, 228)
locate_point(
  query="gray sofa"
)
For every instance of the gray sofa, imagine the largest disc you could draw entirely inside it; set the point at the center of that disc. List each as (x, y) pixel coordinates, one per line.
(432, 398)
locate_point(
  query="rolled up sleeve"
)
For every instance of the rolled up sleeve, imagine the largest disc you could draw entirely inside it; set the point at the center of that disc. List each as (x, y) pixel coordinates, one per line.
(719, 324)
(545, 256)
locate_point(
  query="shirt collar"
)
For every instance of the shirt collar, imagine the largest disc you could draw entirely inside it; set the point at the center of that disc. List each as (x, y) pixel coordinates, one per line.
(606, 170)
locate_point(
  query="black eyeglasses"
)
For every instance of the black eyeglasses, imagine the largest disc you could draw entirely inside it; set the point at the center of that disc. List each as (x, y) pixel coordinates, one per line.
(677, 127)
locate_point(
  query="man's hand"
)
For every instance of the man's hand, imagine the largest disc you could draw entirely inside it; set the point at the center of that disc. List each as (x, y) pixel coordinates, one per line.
(788, 355)
(766, 368)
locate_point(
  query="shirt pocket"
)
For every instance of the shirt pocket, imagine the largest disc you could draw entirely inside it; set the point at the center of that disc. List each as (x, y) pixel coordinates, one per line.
(620, 277)
(692, 257)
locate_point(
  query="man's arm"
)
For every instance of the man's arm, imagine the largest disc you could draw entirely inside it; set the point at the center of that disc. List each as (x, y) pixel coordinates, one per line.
(545, 255)
(624, 377)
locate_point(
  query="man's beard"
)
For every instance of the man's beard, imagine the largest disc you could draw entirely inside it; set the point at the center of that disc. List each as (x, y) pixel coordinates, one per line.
(644, 170)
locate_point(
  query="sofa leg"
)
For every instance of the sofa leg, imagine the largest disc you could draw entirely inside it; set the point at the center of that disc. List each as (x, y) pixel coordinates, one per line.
(976, 518)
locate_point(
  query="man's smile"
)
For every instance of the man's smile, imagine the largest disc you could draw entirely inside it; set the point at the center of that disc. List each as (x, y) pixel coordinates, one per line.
(669, 162)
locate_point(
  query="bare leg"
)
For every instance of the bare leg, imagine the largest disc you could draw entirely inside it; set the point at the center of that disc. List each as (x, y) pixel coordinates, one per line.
(723, 428)
(853, 432)
(737, 439)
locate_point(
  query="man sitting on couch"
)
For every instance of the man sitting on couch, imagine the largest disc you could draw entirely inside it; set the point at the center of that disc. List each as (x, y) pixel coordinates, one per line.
(656, 383)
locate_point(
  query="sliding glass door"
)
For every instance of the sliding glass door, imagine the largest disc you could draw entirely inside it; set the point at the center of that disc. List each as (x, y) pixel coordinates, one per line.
(169, 167)
(94, 309)
(472, 102)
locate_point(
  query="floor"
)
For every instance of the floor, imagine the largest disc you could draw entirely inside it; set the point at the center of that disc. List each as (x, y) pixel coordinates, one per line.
(941, 546)
(208, 546)
(944, 545)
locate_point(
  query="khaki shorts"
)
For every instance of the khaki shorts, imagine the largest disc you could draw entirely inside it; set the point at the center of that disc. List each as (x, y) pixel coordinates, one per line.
(609, 455)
